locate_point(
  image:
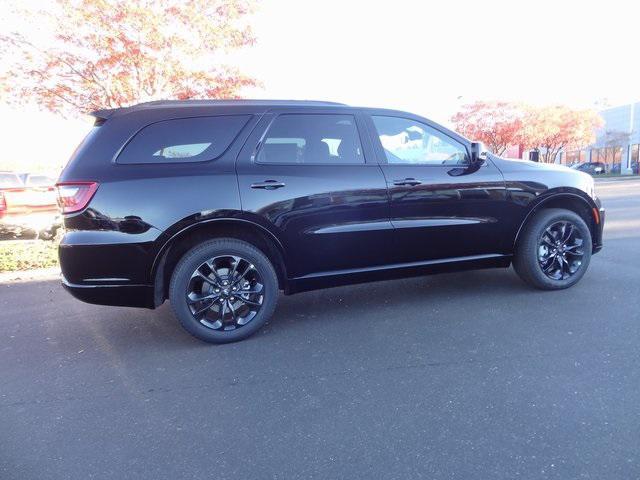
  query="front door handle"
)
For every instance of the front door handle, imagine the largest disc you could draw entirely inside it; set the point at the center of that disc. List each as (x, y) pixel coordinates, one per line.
(407, 181)
(268, 185)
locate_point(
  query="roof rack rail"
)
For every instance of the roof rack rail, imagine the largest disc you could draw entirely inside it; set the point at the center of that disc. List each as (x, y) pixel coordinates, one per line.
(104, 114)
(239, 101)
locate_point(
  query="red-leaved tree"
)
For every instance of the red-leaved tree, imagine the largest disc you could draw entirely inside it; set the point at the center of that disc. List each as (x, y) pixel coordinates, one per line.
(112, 53)
(548, 129)
(554, 128)
(496, 124)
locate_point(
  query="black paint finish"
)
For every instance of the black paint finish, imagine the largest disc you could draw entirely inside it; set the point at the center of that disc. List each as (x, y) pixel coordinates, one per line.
(329, 224)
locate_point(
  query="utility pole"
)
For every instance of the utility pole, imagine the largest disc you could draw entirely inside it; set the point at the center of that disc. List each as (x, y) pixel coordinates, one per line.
(625, 169)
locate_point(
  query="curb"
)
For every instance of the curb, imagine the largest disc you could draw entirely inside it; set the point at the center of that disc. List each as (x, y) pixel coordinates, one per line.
(617, 179)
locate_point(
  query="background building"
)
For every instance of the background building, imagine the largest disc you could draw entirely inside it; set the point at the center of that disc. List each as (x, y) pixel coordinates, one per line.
(617, 142)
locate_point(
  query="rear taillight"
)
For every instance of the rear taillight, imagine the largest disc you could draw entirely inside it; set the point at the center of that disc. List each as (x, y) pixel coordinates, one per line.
(3, 203)
(75, 196)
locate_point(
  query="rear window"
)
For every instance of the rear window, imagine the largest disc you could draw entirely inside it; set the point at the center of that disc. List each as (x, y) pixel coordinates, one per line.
(183, 140)
(39, 181)
(9, 180)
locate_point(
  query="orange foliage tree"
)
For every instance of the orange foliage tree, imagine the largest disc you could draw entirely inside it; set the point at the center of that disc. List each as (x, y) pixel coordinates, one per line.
(554, 128)
(113, 53)
(548, 129)
(496, 124)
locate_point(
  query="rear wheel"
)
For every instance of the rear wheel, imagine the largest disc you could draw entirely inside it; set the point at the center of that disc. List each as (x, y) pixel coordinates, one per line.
(554, 250)
(223, 290)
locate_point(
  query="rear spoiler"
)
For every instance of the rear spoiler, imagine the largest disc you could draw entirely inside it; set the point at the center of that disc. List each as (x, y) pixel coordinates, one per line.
(102, 116)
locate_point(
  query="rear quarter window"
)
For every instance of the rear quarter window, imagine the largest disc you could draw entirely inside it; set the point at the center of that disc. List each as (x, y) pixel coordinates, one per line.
(197, 139)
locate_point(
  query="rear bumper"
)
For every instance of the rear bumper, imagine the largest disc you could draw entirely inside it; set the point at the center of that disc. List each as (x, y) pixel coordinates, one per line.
(114, 295)
(108, 268)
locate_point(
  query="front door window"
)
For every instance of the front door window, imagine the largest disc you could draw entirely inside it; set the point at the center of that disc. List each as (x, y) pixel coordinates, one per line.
(409, 142)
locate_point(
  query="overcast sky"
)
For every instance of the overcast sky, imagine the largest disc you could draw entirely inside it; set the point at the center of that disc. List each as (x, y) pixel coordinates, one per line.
(422, 56)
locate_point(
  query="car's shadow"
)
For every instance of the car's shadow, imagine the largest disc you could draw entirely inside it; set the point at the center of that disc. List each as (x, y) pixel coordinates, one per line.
(74, 325)
(356, 301)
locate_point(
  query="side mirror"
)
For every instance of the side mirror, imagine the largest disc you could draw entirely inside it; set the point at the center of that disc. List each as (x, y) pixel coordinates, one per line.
(478, 153)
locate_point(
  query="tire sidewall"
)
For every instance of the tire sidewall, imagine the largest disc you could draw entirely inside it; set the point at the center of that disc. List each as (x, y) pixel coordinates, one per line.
(196, 257)
(536, 231)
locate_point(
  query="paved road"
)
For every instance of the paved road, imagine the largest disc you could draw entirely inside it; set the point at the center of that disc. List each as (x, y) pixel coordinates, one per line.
(460, 376)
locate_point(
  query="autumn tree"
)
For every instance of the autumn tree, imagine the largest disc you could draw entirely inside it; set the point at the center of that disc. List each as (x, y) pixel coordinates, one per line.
(496, 124)
(113, 53)
(551, 129)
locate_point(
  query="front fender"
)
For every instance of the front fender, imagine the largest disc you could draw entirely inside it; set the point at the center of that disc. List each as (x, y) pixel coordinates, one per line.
(572, 199)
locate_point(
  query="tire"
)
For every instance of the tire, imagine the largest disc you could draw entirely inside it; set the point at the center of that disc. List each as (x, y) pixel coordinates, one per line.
(262, 290)
(533, 246)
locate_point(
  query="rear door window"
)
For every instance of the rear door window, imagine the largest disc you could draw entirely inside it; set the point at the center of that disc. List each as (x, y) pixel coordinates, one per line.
(312, 139)
(195, 139)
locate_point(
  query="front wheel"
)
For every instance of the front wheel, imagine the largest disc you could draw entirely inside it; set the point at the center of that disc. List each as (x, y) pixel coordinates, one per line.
(554, 250)
(223, 290)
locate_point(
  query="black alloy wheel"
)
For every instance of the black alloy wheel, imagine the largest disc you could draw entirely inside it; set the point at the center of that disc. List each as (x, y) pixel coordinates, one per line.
(223, 290)
(553, 249)
(560, 250)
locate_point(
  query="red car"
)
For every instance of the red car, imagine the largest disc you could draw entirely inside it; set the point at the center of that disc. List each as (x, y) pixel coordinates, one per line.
(28, 203)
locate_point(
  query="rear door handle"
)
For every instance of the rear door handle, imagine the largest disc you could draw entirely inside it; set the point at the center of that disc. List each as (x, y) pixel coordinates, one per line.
(407, 181)
(268, 185)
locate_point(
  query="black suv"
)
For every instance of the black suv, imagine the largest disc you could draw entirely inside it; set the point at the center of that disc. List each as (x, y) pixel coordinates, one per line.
(218, 205)
(593, 168)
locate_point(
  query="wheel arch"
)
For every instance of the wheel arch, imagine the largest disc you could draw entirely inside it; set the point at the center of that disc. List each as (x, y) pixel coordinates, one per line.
(175, 247)
(567, 200)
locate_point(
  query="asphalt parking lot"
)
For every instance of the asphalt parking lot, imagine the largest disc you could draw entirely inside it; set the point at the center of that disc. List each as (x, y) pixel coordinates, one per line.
(457, 376)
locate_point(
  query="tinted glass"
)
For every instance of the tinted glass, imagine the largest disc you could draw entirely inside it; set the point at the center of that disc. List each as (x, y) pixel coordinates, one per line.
(409, 142)
(312, 139)
(183, 140)
(39, 181)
